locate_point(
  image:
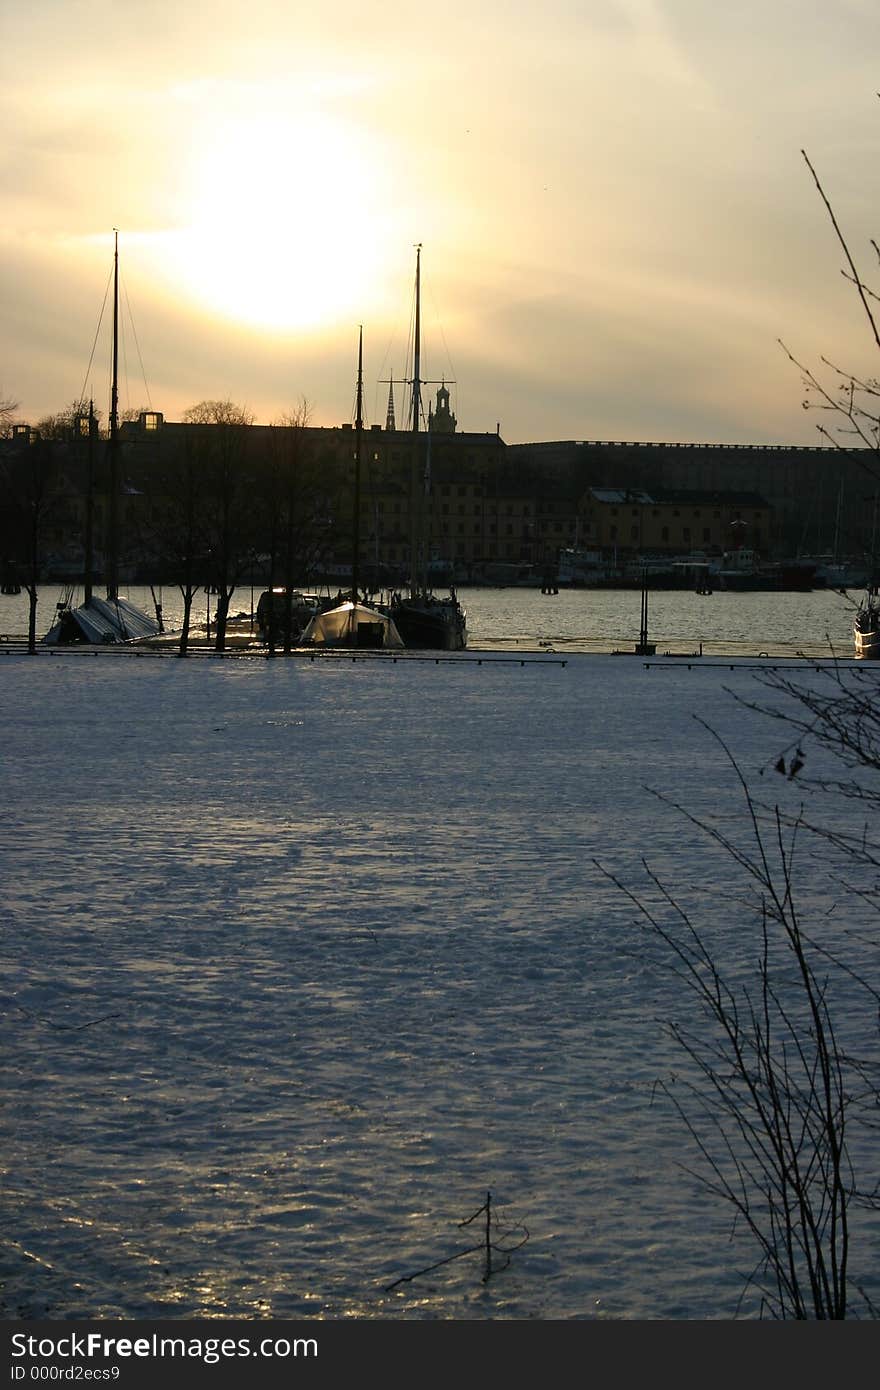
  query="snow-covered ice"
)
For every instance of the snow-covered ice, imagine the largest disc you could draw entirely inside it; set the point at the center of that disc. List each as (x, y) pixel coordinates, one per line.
(304, 957)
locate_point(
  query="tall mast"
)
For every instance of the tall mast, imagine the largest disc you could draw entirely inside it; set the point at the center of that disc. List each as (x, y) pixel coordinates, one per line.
(90, 508)
(359, 432)
(112, 559)
(417, 346)
(416, 500)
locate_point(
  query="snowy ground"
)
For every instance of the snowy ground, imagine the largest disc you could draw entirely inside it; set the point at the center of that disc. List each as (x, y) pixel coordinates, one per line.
(302, 958)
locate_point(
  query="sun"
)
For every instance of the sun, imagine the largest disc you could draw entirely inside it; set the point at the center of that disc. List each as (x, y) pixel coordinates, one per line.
(285, 229)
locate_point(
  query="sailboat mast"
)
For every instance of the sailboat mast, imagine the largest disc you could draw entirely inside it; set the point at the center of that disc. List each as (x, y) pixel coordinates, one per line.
(90, 508)
(359, 434)
(112, 559)
(415, 492)
(417, 346)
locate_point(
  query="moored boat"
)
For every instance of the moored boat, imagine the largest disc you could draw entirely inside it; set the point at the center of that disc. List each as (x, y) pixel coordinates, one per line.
(353, 623)
(114, 619)
(422, 618)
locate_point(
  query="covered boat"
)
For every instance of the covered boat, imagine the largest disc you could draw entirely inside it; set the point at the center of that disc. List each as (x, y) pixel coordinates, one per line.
(101, 621)
(351, 625)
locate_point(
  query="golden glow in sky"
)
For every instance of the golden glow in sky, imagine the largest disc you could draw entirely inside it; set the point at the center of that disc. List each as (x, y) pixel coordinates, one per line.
(617, 222)
(283, 228)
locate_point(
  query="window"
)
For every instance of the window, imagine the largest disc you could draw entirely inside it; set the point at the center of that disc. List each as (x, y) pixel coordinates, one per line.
(664, 533)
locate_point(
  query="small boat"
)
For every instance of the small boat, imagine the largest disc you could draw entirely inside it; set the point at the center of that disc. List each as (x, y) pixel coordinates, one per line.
(866, 625)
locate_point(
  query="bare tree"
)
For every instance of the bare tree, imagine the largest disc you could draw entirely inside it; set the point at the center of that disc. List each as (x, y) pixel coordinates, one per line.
(289, 498)
(31, 491)
(848, 401)
(228, 507)
(8, 407)
(173, 530)
(774, 1097)
(770, 1096)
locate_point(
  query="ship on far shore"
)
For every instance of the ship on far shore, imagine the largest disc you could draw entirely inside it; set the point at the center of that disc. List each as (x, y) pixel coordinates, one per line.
(738, 571)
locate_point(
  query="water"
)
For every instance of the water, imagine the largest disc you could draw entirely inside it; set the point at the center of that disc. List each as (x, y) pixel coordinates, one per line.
(523, 619)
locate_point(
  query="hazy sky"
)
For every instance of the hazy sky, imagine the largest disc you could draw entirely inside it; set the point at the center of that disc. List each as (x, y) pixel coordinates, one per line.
(616, 218)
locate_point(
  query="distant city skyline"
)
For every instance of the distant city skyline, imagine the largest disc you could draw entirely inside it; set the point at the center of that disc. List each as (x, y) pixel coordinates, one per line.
(617, 221)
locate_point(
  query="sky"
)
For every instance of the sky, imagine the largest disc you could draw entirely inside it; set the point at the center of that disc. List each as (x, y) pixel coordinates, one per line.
(616, 219)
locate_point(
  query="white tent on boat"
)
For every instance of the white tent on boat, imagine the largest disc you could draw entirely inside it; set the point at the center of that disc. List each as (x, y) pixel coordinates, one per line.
(351, 625)
(101, 622)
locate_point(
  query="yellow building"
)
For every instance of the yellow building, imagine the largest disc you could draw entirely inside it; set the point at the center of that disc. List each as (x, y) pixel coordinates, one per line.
(673, 522)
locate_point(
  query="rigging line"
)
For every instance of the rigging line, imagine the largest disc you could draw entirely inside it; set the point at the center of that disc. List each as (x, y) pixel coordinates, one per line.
(137, 344)
(125, 364)
(394, 337)
(440, 326)
(97, 331)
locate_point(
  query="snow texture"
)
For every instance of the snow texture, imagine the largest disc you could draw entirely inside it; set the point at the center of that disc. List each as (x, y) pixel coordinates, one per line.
(302, 958)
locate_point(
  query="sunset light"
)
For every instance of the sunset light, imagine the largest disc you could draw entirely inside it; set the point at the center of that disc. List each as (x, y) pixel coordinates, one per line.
(617, 220)
(284, 228)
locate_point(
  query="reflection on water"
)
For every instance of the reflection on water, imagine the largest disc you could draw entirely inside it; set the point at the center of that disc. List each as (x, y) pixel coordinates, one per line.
(815, 623)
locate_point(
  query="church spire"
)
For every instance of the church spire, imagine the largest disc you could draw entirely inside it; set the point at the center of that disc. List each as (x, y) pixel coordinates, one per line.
(389, 418)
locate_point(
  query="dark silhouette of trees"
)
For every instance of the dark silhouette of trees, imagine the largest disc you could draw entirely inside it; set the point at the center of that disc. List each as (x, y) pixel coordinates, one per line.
(8, 407)
(223, 459)
(292, 502)
(31, 492)
(173, 531)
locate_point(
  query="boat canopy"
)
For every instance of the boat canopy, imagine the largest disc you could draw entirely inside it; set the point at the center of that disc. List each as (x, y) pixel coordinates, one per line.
(101, 621)
(351, 625)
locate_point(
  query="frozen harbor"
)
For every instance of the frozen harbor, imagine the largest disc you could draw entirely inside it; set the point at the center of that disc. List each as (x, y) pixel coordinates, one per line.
(302, 959)
(816, 623)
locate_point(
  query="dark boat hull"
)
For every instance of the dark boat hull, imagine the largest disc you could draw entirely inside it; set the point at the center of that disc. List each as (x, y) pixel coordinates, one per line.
(431, 624)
